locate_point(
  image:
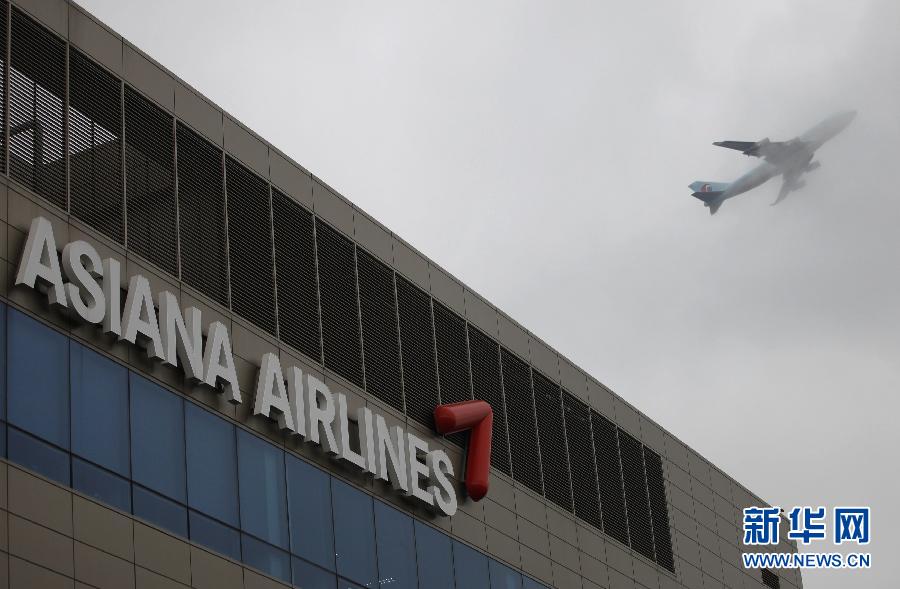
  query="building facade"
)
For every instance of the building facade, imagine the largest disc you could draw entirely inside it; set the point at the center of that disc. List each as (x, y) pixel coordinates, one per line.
(131, 458)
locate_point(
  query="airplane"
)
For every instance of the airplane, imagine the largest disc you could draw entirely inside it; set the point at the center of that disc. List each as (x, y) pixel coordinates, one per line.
(788, 159)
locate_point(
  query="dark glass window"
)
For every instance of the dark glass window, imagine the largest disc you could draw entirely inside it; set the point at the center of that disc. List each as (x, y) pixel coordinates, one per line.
(309, 576)
(212, 534)
(262, 489)
(157, 438)
(396, 548)
(354, 534)
(101, 484)
(471, 567)
(38, 456)
(38, 379)
(503, 577)
(211, 465)
(309, 505)
(434, 558)
(266, 558)
(99, 409)
(160, 511)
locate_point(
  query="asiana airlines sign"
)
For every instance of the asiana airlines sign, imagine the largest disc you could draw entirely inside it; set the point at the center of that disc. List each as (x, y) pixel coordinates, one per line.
(87, 287)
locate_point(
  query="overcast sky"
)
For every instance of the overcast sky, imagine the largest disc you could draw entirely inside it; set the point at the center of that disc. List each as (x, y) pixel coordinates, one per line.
(541, 152)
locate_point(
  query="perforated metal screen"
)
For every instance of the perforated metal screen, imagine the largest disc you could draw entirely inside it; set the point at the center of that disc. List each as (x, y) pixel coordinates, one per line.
(381, 341)
(552, 437)
(418, 352)
(581, 453)
(486, 385)
(523, 434)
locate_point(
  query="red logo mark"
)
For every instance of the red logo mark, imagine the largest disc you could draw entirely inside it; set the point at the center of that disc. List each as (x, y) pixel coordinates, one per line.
(479, 417)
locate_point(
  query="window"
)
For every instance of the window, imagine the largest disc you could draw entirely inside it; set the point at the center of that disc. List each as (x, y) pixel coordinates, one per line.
(309, 505)
(434, 558)
(396, 548)
(266, 558)
(211, 465)
(354, 534)
(99, 409)
(2, 338)
(471, 567)
(262, 489)
(158, 510)
(528, 583)
(210, 533)
(38, 360)
(157, 443)
(309, 576)
(38, 456)
(503, 577)
(101, 484)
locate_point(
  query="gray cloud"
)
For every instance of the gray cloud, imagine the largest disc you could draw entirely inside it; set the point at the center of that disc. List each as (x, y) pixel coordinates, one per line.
(541, 152)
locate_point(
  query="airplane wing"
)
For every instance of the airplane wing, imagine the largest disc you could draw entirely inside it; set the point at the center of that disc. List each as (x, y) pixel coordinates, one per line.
(774, 152)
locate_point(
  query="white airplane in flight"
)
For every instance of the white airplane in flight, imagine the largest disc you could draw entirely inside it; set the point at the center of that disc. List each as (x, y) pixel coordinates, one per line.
(788, 159)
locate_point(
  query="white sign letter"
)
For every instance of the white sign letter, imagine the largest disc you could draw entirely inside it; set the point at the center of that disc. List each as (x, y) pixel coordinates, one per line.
(218, 363)
(40, 260)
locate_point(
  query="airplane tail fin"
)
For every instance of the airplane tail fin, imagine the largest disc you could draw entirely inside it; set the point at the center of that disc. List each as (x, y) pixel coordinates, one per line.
(710, 193)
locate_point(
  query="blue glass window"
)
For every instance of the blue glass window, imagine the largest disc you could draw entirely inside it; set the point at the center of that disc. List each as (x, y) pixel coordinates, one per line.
(471, 568)
(101, 484)
(214, 535)
(157, 438)
(354, 534)
(396, 548)
(158, 510)
(266, 558)
(309, 504)
(503, 577)
(38, 361)
(38, 456)
(99, 409)
(262, 489)
(345, 584)
(211, 465)
(433, 553)
(3, 365)
(309, 576)
(529, 583)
